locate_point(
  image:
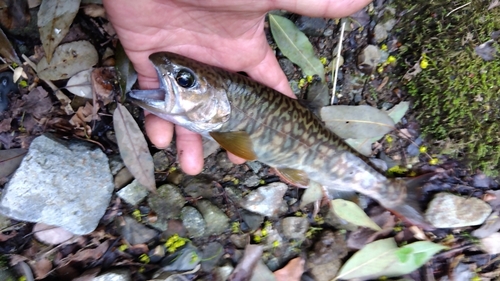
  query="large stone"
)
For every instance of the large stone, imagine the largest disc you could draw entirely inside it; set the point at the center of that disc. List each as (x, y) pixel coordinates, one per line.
(449, 211)
(266, 200)
(67, 184)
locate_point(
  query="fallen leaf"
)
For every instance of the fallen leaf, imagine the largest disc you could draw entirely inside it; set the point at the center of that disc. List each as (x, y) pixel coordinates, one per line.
(318, 94)
(14, 14)
(41, 268)
(6, 50)
(80, 84)
(363, 146)
(247, 263)
(313, 193)
(295, 46)
(384, 258)
(134, 148)
(398, 111)
(352, 213)
(292, 271)
(356, 122)
(68, 59)
(103, 81)
(94, 10)
(126, 72)
(54, 19)
(10, 159)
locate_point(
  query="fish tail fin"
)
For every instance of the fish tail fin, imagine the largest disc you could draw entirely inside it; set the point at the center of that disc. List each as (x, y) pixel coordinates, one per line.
(409, 209)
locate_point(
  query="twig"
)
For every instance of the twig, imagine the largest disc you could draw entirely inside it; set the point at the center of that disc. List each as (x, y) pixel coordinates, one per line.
(337, 64)
(458, 8)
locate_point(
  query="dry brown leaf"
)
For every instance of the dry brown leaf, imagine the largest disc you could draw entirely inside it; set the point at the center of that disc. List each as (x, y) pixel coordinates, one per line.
(6, 49)
(94, 10)
(103, 81)
(54, 19)
(15, 14)
(41, 268)
(292, 271)
(134, 148)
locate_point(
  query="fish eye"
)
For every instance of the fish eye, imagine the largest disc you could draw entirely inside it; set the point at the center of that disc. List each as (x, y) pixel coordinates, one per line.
(185, 78)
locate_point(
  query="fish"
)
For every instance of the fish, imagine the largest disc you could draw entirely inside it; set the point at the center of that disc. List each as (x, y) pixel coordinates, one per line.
(256, 122)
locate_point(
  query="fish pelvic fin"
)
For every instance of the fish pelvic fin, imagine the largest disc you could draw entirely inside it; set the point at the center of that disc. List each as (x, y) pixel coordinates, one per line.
(407, 208)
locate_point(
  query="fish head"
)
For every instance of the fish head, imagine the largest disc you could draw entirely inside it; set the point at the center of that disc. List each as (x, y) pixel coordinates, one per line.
(191, 94)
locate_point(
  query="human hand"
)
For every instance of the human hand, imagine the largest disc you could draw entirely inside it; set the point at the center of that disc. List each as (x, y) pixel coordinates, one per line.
(224, 33)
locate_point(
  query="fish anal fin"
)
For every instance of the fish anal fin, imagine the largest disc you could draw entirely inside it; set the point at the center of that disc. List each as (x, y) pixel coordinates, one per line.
(293, 176)
(238, 143)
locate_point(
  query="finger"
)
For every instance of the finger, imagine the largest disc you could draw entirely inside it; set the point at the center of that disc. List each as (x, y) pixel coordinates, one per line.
(189, 151)
(159, 131)
(322, 8)
(269, 73)
(235, 159)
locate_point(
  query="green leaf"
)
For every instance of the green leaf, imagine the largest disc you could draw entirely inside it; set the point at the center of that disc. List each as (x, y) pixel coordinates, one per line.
(371, 261)
(352, 213)
(398, 111)
(295, 46)
(126, 72)
(384, 258)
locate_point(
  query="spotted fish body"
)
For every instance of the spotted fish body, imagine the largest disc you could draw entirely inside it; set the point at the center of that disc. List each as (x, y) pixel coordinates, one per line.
(258, 123)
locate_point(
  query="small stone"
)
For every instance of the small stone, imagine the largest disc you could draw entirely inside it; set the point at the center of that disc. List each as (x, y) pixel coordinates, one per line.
(288, 67)
(168, 202)
(160, 161)
(116, 164)
(122, 178)
(134, 232)
(253, 220)
(133, 193)
(252, 181)
(328, 32)
(211, 255)
(223, 162)
(193, 222)
(66, 184)
(254, 165)
(119, 274)
(368, 59)
(450, 211)
(182, 260)
(326, 258)
(379, 33)
(295, 228)
(240, 240)
(311, 26)
(217, 221)
(266, 200)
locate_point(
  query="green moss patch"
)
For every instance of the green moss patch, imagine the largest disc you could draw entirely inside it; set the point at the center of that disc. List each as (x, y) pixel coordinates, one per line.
(457, 96)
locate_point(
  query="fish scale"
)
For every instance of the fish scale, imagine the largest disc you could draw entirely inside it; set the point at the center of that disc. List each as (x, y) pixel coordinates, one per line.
(258, 123)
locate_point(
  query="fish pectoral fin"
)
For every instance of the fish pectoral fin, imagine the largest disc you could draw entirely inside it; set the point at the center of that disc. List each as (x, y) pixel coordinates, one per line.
(238, 143)
(293, 176)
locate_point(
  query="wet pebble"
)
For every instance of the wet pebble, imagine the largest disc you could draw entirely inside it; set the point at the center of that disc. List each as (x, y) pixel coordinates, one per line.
(134, 232)
(311, 26)
(266, 200)
(254, 165)
(328, 32)
(182, 259)
(211, 255)
(118, 274)
(368, 59)
(325, 259)
(167, 203)
(133, 193)
(295, 228)
(252, 220)
(450, 211)
(288, 67)
(379, 33)
(193, 221)
(223, 162)
(217, 221)
(252, 181)
(160, 161)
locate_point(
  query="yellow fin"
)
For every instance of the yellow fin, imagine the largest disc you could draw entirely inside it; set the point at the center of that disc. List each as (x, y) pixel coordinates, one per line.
(238, 143)
(294, 176)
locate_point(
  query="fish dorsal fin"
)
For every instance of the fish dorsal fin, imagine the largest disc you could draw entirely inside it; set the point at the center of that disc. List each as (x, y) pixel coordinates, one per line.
(294, 176)
(238, 143)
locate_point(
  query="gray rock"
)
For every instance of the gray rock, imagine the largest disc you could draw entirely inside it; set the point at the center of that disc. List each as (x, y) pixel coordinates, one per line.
(115, 163)
(135, 232)
(328, 32)
(266, 200)
(133, 193)
(184, 259)
(160, 161)
(449, 211)
(209, 147)
(295, 228)
(311, 26)
(211, 255)
(119, 274)
(193, 222)
(217, 221)
(379, 33)
(368, 59)
(253, 220)
(288, 67)
(67, 184)
(254, 165)
(326, 258)
(252, 181)
(168, 202)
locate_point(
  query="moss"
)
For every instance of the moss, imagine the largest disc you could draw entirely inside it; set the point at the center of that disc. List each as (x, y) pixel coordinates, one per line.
(457, 96)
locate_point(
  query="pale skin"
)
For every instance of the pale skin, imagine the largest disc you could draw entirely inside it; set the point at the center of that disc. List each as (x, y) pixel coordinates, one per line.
(225, 33)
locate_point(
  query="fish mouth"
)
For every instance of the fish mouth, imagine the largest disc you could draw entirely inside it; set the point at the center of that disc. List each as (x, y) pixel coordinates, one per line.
(158, 101)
